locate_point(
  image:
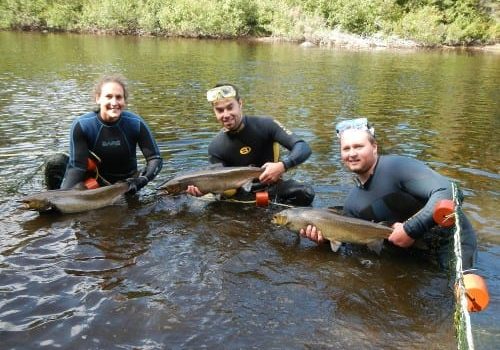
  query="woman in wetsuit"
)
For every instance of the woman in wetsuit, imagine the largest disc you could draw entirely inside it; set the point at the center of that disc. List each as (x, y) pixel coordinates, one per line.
(109, 136)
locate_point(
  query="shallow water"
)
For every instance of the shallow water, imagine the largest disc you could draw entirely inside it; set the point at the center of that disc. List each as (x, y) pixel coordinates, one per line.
(160, 272)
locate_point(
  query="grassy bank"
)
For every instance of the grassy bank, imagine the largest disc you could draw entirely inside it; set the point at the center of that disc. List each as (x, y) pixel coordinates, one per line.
(426, 22)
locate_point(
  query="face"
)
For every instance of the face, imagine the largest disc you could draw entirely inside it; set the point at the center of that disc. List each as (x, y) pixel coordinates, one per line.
(358, 154)
(111, 101)
(229, 113)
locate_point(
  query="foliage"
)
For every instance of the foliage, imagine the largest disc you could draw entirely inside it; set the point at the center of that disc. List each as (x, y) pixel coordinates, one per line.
(430, 22)
(119, 16)
(21, 13)
(62, 14)
(424, 25)
(208, 18)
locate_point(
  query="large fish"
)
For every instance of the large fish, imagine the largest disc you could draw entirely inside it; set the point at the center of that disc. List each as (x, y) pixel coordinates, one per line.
(213, 180)
(74, 200)
(334, 227)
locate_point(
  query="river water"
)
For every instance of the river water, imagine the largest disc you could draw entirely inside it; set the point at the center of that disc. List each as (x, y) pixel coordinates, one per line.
(159, 272)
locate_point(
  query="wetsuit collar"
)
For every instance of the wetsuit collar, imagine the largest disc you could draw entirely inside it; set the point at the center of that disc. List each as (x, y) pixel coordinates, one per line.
(240, 127)
(98, 113)
(365, 185)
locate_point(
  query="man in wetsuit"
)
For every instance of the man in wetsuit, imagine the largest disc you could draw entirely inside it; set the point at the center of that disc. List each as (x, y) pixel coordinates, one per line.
(399, 190)
(245, 141)
(109, 136)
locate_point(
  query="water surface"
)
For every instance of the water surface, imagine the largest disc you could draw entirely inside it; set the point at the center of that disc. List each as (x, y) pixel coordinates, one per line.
(160, 272)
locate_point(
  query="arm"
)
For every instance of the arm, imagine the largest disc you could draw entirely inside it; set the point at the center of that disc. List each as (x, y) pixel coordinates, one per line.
(431, 187)
(154, 162)
(298, 155)
(299, 152)
(78, 154)
(423, 185)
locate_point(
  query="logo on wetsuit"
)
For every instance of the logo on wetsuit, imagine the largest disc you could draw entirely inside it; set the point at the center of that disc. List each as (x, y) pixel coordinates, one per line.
(245, 150)
(288, 132)
(112, 143)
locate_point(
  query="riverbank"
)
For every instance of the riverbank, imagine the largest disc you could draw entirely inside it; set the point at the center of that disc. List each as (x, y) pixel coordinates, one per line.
(338, 23)
(337, 39)
(334, 39)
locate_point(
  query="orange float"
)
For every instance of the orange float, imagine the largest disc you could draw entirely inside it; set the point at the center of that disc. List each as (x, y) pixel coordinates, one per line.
(91, 165)
(444, 213)
(262, 199)
(91, 183)
(476, 292)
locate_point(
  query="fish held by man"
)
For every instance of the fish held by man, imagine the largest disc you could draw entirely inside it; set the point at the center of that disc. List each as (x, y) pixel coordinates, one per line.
(334, 227)
(213, 180)
(75, 200)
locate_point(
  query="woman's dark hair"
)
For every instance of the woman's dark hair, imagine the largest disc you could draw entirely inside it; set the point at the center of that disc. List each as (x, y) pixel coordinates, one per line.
(115, 78)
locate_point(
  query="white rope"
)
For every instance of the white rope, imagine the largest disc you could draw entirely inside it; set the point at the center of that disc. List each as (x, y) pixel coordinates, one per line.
(459, 281)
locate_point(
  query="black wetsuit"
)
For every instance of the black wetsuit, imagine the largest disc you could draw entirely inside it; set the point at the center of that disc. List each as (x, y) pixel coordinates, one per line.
(254, 145)
(405, 190)
(115, 145)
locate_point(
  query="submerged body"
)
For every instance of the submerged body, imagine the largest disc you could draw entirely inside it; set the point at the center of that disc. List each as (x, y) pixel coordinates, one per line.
(334, 227)
(75, 201)
(216, 180)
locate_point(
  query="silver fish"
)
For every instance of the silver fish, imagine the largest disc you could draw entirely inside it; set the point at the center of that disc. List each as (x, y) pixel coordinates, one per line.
(213, 180)
(74, 200)
(334, 227)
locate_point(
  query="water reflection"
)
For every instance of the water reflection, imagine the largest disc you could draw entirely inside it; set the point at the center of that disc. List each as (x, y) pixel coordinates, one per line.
(189, 273)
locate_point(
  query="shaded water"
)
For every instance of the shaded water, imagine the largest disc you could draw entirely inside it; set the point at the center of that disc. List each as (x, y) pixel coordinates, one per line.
(185, 273)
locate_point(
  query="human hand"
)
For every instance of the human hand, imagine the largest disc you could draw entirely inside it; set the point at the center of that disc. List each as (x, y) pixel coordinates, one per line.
(136, 183)
(313, 234)
(272, 172)
(399, 237)
(194, 191)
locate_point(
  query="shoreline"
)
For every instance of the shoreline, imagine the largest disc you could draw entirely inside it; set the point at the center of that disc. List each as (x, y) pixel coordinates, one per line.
(333, 39)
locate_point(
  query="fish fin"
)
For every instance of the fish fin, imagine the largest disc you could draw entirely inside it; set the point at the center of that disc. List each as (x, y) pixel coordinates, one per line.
(335, 245)
(386, 223)
(79, 186)
(247, 186)
(214, 166)
(376, 245)
(120, 200)
(338, 209)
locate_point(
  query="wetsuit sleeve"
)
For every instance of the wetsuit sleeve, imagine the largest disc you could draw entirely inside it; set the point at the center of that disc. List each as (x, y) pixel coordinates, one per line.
(78, 154)
(299, 149)
(299, 154)
(424, 183)
(153, 167)
(151, 152)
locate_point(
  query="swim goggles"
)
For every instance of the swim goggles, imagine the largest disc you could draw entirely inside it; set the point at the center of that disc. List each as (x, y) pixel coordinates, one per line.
(220, 93)
(357, 124)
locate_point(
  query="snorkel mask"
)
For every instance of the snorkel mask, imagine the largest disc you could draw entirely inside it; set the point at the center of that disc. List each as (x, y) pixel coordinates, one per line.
(221, 92)
(357, 124)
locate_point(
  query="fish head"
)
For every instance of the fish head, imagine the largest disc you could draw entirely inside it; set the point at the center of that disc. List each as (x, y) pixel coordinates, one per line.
(35, 203)
(280, 219)
(172, 188)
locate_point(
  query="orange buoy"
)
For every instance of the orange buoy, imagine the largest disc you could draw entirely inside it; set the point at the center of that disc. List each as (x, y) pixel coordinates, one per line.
(91, 183)
(476, 292)
(91, 165)
(444, 213)
(262, 199)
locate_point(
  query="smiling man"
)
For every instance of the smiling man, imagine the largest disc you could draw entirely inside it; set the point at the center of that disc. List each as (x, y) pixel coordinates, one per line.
(254, 141)
(398, 190)
(109, 136)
